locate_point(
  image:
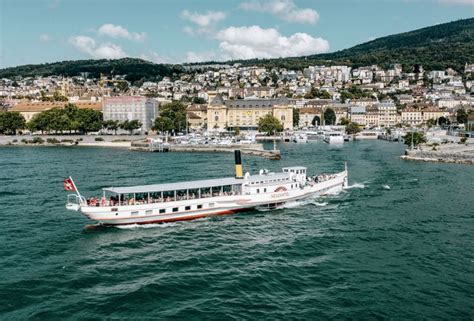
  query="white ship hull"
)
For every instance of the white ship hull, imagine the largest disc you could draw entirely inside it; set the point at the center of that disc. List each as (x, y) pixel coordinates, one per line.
(334, 139)
(211, 206)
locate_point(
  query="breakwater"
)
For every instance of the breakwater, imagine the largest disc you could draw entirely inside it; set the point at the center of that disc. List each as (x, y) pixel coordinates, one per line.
(448, 153)
(247, 149)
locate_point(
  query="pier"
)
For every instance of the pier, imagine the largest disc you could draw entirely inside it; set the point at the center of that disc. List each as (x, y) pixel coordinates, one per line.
(246, 149)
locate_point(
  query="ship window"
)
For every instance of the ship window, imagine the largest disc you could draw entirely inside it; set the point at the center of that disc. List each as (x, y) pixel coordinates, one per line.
(211, 204)
(148, 212)
(163, 210)
(258, 190)
(187, 208)
(199, 206)
(264, 190)
(175, 209)
(135, 213)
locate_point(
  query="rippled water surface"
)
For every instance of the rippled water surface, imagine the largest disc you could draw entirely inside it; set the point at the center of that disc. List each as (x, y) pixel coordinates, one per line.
(397, 244)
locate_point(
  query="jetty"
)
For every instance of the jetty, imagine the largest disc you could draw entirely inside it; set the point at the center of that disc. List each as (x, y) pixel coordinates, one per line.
(443, 153)
(255, 149)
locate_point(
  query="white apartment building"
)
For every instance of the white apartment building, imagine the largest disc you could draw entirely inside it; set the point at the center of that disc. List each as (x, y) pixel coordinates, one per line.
(129, 108)
(387, 112)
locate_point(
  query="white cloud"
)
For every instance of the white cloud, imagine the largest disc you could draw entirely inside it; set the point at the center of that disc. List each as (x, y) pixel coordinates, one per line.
(44, 37)
(256, 42)
(203, 19)
(458, 2)
(205, 22)
(97, 50)
(116, 31)
(193, 56)
(286, 10)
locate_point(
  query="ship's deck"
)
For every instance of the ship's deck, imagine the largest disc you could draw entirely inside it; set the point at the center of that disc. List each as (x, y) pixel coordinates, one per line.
(156, 188)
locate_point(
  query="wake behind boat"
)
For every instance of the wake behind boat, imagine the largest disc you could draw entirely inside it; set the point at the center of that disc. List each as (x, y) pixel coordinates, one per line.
(171, 202)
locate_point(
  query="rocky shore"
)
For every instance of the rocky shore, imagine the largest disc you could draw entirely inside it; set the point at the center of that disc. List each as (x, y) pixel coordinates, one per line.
(444, 153)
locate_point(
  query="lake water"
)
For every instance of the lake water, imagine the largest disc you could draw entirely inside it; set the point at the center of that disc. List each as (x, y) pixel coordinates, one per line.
(399, 243)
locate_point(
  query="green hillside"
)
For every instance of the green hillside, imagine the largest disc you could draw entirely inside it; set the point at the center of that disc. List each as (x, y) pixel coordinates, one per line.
(135, 69)
(436, 47)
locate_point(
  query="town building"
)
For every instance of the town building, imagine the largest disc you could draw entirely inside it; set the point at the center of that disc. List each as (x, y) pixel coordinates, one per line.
(433, 113)
(197, 116)
(387, 112)
(357, 115)
(28, 109)
(411, 116)
(124, 108)
(307, 115)
(246, 113)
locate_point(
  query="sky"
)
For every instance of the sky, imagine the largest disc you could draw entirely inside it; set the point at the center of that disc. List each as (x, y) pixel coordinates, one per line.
(177, 31)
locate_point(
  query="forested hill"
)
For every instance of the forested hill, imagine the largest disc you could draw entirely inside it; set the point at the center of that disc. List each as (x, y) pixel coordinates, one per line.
(437, 47)
(134, 68)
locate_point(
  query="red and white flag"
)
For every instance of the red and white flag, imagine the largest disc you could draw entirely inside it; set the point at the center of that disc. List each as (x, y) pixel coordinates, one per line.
(69, 185)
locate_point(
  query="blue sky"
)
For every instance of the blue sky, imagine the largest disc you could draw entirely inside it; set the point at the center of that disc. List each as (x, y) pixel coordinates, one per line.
(173, 31)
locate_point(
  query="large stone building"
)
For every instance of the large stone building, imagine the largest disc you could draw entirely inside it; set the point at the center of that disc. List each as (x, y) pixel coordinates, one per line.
(124, 108)
(29, 109)
(245, 113)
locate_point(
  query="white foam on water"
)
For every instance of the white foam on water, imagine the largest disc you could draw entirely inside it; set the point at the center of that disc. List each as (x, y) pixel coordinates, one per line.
(321, 204)
(386, 187)
(355, 185)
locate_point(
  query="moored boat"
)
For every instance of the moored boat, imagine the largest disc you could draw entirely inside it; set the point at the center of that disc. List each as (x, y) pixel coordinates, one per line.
(334, 137)
(181, 201)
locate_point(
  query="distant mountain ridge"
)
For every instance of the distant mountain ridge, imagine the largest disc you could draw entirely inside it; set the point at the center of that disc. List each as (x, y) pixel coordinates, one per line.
(437, 47)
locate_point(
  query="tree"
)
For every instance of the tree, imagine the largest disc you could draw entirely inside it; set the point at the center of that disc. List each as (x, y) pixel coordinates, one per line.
(122, 86)
(417, 137)
(163, 124)
(237, 131)
(316, 121)
(461, 116)
(199, 100)
(296, 117)
(112, 125)
(443, 121)
(329, 117)
(352, 128)
(131, 125)
(89, 120)
(176, 112)
(10, 122)
(39, 122)
(269, 125)
(344, 121)
(4, 105)
(324, 95)
(431, 122)
(58, 97)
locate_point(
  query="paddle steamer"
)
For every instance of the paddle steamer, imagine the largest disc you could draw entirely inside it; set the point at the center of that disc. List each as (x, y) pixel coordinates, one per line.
(171, 202)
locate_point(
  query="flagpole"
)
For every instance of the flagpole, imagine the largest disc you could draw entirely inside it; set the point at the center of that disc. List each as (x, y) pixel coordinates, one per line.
(75, 188)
